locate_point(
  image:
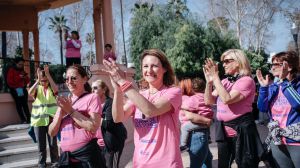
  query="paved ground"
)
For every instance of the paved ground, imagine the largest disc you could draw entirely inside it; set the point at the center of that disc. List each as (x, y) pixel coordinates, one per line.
(126, 159)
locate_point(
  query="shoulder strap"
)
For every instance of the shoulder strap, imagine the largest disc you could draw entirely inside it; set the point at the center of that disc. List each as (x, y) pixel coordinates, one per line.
(81, 96)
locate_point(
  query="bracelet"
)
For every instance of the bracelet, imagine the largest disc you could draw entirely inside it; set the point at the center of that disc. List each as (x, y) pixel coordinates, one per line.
(126, 86)
(70, 114)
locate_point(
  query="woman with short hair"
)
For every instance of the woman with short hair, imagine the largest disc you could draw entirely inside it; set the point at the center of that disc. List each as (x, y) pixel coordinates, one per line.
(236, 132)
(281, 100)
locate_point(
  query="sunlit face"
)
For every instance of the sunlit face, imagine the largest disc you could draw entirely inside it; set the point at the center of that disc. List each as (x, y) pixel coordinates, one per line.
(276, 67)
(153, 70)
(98, 90)
(230, 65)
(74, 81)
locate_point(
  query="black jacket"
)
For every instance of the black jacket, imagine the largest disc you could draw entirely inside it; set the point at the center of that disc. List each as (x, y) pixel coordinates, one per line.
(114, 134)
(88, 155)
(249, 149)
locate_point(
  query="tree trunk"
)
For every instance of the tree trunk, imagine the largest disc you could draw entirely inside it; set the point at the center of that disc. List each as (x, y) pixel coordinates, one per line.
(61, 47)
(4, 46)
(238, 22)
(125, 57)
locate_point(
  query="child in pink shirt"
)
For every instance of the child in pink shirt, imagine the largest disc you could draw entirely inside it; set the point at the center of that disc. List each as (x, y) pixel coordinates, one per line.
(194, 103)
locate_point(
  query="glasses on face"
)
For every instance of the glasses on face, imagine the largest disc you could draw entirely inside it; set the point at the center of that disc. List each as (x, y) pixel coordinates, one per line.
(43, 80)
(276, 65)
(95, 88)
(227, 61)
(71, 78)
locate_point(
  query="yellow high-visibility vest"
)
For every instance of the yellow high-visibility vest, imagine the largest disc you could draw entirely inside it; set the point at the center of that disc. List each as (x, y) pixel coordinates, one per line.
(43, 107)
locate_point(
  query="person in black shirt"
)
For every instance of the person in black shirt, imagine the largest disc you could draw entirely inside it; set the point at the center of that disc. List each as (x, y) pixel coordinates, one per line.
(114, 134)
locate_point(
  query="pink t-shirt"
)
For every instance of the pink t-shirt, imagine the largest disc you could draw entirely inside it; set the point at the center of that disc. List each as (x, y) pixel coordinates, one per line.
(111, 55)
(71, 50)
(246, 86)
(280, 108)
(182, 117)
(72, 135)
(156, 139)
(196, 104)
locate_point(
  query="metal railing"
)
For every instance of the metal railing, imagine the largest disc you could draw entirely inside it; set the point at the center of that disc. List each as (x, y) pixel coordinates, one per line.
(6, 63)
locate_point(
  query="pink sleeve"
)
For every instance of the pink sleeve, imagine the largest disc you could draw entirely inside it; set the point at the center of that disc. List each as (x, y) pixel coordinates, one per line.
(174, 96)
(245, 86)
(194, 104)
(95, 104)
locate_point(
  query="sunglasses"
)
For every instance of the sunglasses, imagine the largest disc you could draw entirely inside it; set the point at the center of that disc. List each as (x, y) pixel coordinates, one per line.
(43, 80)
(227, 61)
(276, 64)
(95, 88)
(72, 78)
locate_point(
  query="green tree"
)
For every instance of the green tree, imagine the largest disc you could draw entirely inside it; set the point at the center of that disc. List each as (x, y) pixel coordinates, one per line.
(185, 42)
(58, 24)
(258, 61)
(19, 52)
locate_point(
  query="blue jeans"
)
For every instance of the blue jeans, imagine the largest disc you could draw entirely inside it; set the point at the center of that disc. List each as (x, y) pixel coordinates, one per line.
(200, 155)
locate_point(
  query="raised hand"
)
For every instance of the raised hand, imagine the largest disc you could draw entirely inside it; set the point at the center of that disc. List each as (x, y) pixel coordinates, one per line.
(208, 77)
(284, 70)
(38, 72)
(46, 69)
(211, 69)
(65, 103)
(116, 74)
(262, 81)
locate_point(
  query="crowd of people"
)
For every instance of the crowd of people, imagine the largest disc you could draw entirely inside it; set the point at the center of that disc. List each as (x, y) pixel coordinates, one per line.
(169, 117)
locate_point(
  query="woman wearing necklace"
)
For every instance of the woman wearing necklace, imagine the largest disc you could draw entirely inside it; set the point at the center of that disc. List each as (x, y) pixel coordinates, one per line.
(156, 135)
(236, 132)
(78, 119)
(281, 100)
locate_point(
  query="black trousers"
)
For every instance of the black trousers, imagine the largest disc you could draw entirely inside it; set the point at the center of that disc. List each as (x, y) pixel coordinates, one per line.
(226, 153)
(41, 133)
(112, 159)
(21, 104)
(72, 61)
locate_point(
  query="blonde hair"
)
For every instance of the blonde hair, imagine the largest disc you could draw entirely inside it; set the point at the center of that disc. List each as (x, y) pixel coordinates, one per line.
(241, 58)
(103, 86)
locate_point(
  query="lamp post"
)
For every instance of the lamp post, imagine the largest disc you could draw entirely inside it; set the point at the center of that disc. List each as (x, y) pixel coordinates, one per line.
(295, 30)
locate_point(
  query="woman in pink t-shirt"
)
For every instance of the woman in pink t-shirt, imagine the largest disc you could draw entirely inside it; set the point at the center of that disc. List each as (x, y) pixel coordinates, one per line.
(78, 120)
(281, 100)
(154, 111)
(236, 132)
(195, 121)
(72, 46)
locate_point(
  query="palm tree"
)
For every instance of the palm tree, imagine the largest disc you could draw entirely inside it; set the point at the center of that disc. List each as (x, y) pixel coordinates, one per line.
(90, 39)
(58, 24)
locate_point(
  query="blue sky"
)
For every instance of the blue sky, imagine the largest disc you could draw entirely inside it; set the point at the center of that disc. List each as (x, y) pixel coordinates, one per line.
(280, 29)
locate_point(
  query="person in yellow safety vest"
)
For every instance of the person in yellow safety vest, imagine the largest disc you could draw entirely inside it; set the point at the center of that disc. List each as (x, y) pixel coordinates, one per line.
(44, 107)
